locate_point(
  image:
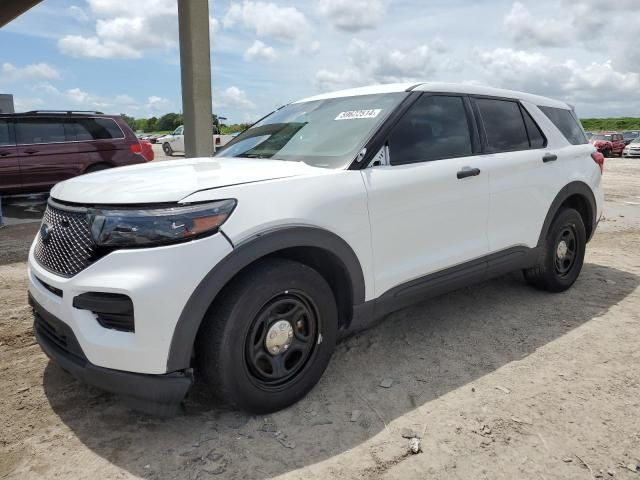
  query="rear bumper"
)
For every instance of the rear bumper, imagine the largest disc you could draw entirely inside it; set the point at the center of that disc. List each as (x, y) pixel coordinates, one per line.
(153, 394)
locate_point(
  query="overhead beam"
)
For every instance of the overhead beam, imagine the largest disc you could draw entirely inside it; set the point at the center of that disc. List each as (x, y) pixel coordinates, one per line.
(11, 9)
(195, 67)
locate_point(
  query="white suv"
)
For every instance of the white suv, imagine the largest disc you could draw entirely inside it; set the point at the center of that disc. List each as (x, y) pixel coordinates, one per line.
(242, 270)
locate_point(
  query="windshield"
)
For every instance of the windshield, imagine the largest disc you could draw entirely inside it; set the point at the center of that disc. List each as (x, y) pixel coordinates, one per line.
(602, 137)
(323, 133)
(636, 140)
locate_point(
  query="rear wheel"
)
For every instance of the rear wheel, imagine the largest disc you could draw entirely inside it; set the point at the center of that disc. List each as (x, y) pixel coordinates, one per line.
(166, 148)
(562, 255)
(270, 338)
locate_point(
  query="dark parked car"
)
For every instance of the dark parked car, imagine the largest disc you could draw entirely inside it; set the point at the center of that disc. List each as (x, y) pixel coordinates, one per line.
(41, 148)
(630, 136)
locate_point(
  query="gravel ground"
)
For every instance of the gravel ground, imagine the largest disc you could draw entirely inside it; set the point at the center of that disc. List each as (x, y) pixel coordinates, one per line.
(498, 380)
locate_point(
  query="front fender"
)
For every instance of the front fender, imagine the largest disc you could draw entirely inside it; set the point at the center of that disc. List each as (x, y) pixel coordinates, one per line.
(243, 255)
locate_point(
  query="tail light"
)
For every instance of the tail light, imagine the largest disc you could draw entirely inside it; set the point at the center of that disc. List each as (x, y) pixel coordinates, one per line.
(136, 148)
(599, 159)
(217, 140)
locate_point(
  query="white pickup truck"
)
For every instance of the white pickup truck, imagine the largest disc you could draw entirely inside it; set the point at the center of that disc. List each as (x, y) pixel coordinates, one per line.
(174, 142)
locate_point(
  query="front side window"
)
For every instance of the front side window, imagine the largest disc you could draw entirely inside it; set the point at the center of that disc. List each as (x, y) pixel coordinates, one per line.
(39, 130)
(567, 122)
(5, 134)
(96, 129)
(503, 125)
(434, 128)
(325, 133)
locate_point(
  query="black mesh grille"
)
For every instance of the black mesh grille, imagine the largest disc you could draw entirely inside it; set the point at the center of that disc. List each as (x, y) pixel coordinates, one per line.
(64, 243)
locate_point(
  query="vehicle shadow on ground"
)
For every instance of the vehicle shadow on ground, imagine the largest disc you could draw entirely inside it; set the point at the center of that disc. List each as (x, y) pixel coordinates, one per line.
(428, 350)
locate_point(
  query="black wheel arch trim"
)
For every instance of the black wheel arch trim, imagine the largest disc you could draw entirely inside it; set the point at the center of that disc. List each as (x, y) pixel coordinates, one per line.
(243, 255)
(569, 190)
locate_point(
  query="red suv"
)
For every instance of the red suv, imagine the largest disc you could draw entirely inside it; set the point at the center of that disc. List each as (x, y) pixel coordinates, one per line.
(608, 143)
(41, 148)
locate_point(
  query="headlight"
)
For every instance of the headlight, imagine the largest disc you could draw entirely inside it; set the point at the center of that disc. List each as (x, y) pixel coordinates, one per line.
(124, 227)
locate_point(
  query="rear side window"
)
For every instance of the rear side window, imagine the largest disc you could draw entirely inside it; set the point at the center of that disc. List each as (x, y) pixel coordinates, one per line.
(39, 130)
(434, 128)
(567, 123)
(5, 134)
(96, 129)
(536, 137)
(503, 124)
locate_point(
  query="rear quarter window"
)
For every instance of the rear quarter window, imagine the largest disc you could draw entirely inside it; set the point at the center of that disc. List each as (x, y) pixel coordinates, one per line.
(96, 129)
(567, 122)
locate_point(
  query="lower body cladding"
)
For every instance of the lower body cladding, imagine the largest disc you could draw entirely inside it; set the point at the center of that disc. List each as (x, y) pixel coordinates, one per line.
(111, 325)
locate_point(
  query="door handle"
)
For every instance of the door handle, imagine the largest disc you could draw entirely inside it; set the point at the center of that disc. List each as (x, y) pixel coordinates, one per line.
(31, 151)
(4, 154)
(549, 157)
(468, 172)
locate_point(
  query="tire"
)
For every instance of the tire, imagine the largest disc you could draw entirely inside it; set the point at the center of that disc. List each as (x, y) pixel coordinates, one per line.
(607, 153)
(97, 167)
(231, 348)
(554, 272)
(166, 148)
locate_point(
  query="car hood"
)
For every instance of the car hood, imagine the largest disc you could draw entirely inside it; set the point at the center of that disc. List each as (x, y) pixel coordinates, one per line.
(173, 180)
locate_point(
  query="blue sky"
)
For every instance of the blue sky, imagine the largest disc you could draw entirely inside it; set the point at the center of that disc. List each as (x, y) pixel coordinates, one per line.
(122, 57)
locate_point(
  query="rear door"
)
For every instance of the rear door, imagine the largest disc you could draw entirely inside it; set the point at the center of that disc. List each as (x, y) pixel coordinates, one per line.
(48, 151)
(9, 165)
(521, 181)
(428, 206)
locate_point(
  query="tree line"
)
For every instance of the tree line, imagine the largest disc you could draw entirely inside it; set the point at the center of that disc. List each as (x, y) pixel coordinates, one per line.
(170, 121)
(611, 124)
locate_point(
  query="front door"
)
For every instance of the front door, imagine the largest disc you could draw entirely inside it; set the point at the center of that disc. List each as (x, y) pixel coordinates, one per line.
(429, 206)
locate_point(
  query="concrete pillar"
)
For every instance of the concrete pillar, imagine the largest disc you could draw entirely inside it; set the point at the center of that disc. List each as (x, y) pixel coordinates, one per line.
(195, 68)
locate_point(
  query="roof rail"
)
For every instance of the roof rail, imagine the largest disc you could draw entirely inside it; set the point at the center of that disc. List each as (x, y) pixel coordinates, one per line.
(68, 112)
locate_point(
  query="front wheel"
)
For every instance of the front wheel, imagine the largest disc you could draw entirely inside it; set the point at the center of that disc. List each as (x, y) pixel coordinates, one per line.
(269, 338)
(562, 254)
(607, 153)
(166, 148)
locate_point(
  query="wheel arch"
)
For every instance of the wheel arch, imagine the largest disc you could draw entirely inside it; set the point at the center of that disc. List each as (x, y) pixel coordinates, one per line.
(579, 196)
(321, 249)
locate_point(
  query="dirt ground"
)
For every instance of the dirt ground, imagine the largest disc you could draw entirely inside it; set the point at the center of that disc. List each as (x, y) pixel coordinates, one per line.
(499, 381)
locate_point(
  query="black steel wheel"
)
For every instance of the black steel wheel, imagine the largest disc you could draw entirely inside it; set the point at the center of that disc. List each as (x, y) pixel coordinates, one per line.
(281, 339)
(166, 148)
(566, 249)
(562, 254)
(269, 338)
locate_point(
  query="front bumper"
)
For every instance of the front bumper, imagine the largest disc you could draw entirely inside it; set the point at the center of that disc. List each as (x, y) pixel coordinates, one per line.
(153, 394)
(159, 281)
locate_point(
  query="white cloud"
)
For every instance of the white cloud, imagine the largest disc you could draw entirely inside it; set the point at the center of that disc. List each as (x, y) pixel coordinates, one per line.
(78, 13)
(596, 82)
(261, 52)
(353, 15)
(232, 97)
(35, 71)
(529, 31)
(158, 104)
(268, 20)
(94, 47)
(123, 32)
(384, 62)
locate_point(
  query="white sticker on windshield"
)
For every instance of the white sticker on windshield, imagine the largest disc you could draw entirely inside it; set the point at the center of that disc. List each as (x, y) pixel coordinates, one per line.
(354, 114)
